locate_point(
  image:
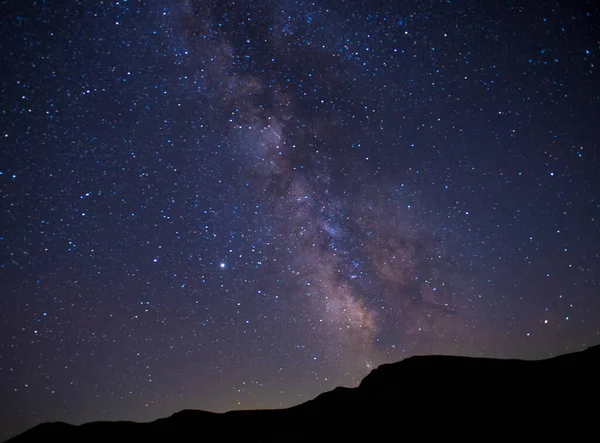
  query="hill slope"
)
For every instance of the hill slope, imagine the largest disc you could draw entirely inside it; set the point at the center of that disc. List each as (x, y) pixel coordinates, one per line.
(429, 396)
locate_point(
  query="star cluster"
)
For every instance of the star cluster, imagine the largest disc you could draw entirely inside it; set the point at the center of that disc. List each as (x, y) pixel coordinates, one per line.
(223, 205)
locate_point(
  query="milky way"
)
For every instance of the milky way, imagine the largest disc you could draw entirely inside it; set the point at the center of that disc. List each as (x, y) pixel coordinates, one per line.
(330, 238)
(221, 205)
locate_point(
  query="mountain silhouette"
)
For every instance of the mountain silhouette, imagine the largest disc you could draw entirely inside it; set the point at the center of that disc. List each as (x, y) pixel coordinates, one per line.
(421, 397)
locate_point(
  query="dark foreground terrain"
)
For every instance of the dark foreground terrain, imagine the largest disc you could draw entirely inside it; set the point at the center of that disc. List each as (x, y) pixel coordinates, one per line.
(420, 397)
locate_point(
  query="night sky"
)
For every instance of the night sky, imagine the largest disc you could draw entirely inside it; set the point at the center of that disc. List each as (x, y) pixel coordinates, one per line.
(224, 205)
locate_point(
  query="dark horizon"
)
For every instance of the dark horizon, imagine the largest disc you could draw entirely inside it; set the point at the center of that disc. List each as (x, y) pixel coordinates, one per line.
(494, 394)
(219, 205)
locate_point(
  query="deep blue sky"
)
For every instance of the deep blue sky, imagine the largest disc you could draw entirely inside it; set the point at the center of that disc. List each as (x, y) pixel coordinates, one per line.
(218, 206)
